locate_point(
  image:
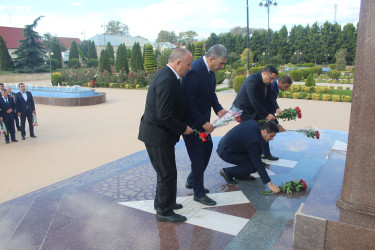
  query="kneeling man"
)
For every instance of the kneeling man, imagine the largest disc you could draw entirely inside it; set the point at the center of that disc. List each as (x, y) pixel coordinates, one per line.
(242, 146)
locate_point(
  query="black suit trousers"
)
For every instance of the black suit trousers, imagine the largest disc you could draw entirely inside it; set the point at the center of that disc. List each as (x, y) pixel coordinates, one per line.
(9, 123)
(164, 163)
(29, 115)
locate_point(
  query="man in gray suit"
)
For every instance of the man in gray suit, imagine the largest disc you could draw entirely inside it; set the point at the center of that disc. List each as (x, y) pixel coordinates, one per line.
(161, 127)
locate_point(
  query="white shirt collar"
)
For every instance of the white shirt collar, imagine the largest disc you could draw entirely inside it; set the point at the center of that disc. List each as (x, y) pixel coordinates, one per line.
(177, 75)
(205, 62)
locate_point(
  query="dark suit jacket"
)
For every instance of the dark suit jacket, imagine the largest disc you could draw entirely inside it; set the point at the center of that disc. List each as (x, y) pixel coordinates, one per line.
(5, 106)
(242, 142)
(21, 105)
(275, 93)
(162, 122)
(251, 98)
(199, 88)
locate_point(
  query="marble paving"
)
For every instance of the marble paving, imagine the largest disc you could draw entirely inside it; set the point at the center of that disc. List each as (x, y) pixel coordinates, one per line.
(111, 207)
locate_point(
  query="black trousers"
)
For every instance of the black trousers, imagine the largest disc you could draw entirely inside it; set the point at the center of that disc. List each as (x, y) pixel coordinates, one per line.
(9, 123)
(29, 115)
(164, 163)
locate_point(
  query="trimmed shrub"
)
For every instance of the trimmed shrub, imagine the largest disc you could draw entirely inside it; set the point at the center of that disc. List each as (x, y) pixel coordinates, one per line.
(326, 97)
(335, 98)
(347, 88)
(240, 70)
(308, 96)
(332, 66)
(296, 95)
(317, 70)
(346, 98)
(287, 94)
(74, 63)
(315, 97)
(220, 76)
(254, 70)
(307, 65)
(56, 78)
(237, 82)
(339, 87)
(310, 81)
(295, 88)
(296, 75)
(306, 89)
(92, 63)
(322, 89)
(333, 74)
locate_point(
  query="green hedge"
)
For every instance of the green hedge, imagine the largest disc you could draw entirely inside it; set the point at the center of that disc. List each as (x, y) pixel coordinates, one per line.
(237, 82)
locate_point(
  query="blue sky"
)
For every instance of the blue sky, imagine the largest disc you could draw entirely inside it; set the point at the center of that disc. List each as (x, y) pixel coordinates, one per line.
(85, 18)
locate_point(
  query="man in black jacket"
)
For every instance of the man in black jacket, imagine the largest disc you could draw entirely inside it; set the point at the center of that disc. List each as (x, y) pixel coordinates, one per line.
(161, 127)
(25, 109)
(7, 107)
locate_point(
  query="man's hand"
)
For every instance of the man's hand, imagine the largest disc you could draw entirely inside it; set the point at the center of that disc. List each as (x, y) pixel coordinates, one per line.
(188, 130)
(281, 128)
(270, 117)
(221, 113)
(1, 119)
(34, 112)
(208, 127)
(279, 111)
(275, 189)
(9, 111)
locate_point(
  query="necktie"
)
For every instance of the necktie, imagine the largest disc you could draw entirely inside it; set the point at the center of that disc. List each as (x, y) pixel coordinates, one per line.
(265, 91)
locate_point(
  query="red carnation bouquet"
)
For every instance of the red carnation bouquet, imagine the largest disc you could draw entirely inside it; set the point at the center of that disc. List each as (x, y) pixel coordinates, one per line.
(311, 133)
(3, 128)
(290, 187)
(287, 115)
(232, 114)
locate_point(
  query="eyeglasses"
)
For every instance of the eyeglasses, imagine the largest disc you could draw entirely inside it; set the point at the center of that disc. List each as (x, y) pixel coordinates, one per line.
(271, 78)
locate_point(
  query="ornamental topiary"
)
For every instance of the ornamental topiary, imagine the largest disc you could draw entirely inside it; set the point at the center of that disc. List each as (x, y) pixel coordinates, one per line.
(237, 82)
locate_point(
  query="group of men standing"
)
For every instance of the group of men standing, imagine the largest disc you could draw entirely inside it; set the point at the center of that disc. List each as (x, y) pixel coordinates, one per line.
(14, 106)
(176, 107)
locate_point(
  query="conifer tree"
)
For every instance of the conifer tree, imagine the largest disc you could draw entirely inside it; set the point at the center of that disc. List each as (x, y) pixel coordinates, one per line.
(30, 54)
(198, 50)
(73, 52)
(150, 59)
(104, 61)
(122, 59)
(110, 51)
(136, 59)
(6, 62)
(91, 53)
(57, 53)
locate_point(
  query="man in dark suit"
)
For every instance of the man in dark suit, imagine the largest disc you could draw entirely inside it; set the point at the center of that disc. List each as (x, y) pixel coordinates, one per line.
(7, 107)
(283, 84)
(199, 88)
(25, 109)
(241, 146)
(13, 96)
(161, 127)
(254, 93)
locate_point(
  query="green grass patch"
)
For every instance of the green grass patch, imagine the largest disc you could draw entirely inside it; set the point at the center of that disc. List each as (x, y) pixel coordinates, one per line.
(222, 89)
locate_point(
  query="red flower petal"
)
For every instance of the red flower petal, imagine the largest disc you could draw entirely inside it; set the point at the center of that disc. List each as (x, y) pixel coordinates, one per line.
(204, 140)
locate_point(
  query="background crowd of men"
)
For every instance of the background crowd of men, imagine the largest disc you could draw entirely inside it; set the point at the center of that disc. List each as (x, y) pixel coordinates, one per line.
(15, 109)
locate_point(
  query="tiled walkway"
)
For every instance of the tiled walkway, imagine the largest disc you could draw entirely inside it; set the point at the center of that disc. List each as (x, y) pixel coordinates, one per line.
(111, 206)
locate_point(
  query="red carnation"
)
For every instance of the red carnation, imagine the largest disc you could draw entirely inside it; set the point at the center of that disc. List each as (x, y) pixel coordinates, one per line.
(317, 134)
(304, 184)
(299, 115)
(298, 109)
(204, 140)
(238, 119)
(203, 135)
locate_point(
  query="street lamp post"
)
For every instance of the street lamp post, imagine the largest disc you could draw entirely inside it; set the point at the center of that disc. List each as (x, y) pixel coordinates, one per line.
(263, 58)
(50, 53)
(247, 40)
(298, 53)
(267, 4)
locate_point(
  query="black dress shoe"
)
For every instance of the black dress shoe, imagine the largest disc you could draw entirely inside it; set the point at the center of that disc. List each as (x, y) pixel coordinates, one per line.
(23, 138)
(33, 136)
(245, 178)
(190, 186)
(205, 200)
(174, 218)
(270, 157)
(7, 142)
(177, 206)
(14, 140)
(226, 177)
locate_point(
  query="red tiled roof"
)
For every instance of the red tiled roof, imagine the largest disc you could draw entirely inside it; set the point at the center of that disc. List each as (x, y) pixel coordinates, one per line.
(67, 41)
(11, 36)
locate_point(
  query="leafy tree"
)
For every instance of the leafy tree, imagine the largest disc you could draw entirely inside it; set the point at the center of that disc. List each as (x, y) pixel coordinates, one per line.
(163, 57)
(240, 43)
(211, 41)
(6, 62)
(110, 51)
(91, 53)
(310, 81)
(31, 53)
(136, 59)
(191, 48)
(244, 57)
(166, 36)
(117, 28)
(341, 59)
(73, 53)
(150, 60)
(198, 50)
(187, 37)
(122, 59)
(84, 47)
(349, 35)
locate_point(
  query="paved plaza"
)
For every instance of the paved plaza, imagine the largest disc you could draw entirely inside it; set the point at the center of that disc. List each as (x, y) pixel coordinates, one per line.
(86, 182)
